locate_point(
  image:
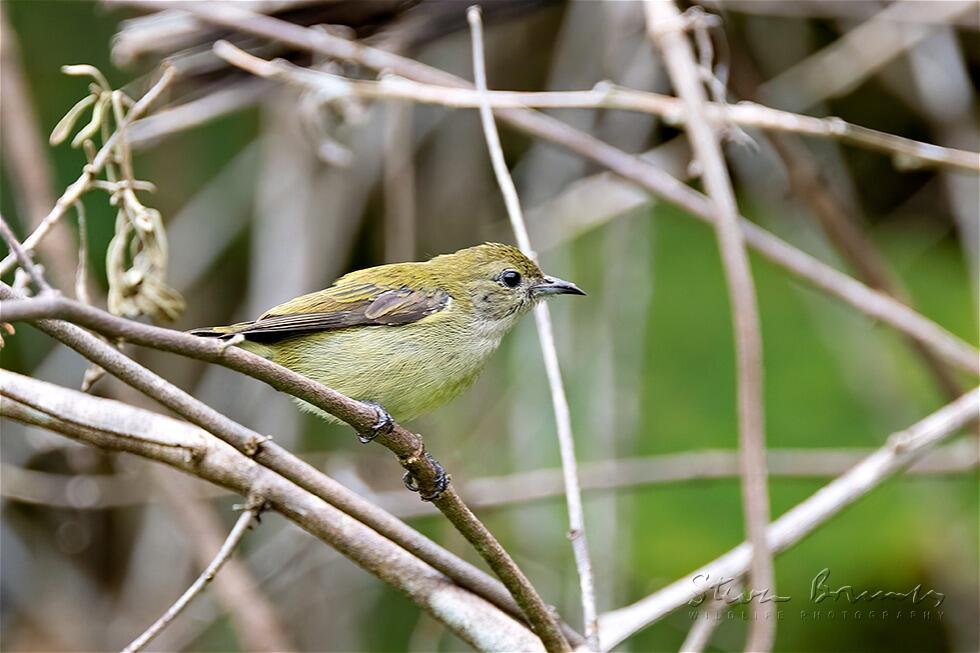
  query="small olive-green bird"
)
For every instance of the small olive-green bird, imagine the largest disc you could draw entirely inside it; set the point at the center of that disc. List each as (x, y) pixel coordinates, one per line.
(407, 337)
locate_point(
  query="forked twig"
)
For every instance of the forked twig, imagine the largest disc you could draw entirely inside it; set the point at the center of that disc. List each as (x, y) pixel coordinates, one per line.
(22, 257)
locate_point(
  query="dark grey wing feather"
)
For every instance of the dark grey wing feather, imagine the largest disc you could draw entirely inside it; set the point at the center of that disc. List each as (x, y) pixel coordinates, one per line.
(390, 307)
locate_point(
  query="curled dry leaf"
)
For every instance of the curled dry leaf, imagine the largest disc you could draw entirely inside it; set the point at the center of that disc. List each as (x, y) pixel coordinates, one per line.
(136, 264)
(136, 259)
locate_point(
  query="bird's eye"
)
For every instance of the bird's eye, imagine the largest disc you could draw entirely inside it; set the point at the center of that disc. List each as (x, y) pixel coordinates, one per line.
(511, 278)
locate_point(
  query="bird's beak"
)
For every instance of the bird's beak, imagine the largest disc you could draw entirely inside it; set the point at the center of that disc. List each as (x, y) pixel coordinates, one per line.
(554, 286)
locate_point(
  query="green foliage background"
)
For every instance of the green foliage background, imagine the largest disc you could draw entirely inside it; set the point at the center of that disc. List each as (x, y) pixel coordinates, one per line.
(833, 379)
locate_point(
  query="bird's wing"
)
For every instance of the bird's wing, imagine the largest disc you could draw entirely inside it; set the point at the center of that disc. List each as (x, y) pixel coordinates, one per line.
(341, 306)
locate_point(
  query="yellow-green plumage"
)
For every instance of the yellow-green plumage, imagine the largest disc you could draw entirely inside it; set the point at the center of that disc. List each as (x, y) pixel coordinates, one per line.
(407, 336)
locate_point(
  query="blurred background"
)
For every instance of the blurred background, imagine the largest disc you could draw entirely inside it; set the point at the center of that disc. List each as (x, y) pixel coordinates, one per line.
(267, 194)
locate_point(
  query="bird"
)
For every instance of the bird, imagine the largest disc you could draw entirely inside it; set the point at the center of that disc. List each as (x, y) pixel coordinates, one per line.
(405, 338)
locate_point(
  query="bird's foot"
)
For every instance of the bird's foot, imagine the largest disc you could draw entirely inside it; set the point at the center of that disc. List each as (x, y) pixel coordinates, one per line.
(382, 425)
(442, 481)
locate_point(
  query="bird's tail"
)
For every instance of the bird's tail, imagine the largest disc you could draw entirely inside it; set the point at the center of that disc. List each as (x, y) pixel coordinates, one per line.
(221, 332)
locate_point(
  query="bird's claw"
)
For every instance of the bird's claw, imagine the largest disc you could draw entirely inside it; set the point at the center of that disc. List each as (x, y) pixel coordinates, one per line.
(441, 483)
(382, 425)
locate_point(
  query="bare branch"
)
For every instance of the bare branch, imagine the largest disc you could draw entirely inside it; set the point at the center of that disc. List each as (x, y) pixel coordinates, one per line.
(252, 508)
(546, 338)
(607, 96)
(252, 614)
(22, 257)
(97, 421)
(901, 449)
(665, 26)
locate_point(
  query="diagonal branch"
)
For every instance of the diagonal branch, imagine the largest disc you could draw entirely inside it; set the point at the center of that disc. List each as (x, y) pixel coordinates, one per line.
(607, 96)
(251, 512)
(546, 338)
(23, 260)
(255, 620)
(837, 219)
(665, 27)
(115, 426)
(901, 450)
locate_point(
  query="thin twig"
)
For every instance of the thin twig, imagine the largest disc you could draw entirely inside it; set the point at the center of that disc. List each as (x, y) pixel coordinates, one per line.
(251, 614)
(81, 270)
(84, 181)
(22, 257)
(875, 305)
(608, 96)
(664, 26)
(237, 589)
(520, 488)
(546, 337)
(405, 444)
(900, 450)
(252, 508)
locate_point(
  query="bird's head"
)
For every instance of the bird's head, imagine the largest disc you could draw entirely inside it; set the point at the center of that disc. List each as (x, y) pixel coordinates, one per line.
(498, 282)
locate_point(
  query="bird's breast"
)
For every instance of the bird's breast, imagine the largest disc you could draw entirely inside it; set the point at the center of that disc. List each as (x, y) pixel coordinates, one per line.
(408, 369)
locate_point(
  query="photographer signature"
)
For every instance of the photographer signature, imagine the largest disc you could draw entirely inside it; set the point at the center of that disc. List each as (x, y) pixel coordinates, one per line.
(821, 590)
(729, 591)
